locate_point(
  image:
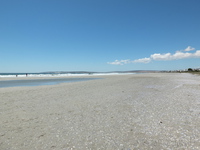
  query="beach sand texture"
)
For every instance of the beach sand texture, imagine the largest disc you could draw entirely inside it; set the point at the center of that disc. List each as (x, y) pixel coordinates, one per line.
(122, 112)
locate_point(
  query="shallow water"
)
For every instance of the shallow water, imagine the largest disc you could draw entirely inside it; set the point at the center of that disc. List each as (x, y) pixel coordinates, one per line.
(39, 82)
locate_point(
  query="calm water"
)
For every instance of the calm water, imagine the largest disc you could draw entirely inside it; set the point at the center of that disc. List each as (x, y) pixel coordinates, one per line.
(39, 82)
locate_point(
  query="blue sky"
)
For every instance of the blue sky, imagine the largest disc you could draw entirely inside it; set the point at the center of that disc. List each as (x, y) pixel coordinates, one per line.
(99, 35)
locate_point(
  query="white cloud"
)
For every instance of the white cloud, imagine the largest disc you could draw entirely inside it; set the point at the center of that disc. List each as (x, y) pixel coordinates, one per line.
(166, 56)
(123, 62)
(142, 60)
(189, 48)
(181, 55)
(175, 56)
(119, 62)
(197, 53)
(162, 57)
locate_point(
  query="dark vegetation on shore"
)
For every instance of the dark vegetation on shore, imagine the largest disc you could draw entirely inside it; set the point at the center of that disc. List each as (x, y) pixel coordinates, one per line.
(189, 70)
(193, 71)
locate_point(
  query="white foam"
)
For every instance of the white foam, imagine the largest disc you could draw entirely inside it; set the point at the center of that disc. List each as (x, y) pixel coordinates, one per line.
(61, 75)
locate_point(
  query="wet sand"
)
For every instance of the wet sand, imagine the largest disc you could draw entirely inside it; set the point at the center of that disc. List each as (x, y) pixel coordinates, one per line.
(142, 111)
(39, 82)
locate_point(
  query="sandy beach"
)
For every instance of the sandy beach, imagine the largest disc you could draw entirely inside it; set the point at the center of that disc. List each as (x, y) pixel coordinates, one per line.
(120, 112)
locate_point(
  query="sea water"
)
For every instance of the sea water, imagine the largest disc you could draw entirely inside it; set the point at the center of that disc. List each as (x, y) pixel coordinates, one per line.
(39, 82)
(49, 80)
(7, 75)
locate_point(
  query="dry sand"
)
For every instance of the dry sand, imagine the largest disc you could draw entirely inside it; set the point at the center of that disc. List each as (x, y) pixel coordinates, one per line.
(142, 111)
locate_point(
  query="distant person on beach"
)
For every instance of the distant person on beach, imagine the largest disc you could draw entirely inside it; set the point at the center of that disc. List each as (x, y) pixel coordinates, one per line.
(26, 74)
(16, 75)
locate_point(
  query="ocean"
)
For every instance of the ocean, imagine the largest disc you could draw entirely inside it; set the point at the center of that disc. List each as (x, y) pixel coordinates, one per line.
(2, 75)
(39, 82)
(55, 74)
(22, 79)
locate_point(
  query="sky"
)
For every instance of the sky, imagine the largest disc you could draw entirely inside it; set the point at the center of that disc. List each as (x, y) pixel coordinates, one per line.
(99, 35)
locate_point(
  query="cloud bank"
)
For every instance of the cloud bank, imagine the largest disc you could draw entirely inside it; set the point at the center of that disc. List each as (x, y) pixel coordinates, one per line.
(183, 54)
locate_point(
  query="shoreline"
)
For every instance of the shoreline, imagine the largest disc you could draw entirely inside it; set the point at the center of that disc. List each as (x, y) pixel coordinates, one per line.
(61, 75)
(57, 77)
(40, 82)
(139, 111)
